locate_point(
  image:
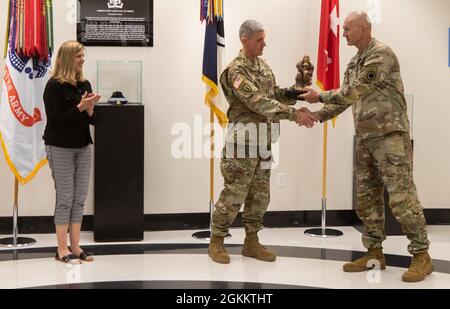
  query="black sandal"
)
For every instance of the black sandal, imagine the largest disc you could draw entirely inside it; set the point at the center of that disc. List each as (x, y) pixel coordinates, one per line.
(69, 258)
(86, 256)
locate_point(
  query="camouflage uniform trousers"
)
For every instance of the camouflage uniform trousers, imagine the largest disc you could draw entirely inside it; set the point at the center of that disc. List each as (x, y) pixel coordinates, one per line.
(386, 162)
(245, 182)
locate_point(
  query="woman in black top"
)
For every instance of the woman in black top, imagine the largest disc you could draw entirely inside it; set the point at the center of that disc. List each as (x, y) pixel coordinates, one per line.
(69, 104)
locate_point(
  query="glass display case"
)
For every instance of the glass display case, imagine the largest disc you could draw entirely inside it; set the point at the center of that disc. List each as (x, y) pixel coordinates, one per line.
(124, 77)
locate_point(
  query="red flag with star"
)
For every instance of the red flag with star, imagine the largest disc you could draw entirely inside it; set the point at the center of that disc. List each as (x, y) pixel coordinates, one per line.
(328, 76)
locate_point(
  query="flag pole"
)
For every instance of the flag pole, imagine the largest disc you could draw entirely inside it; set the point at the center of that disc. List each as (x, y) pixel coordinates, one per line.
(207, 234)
(324, 176)
(323, 232)
(212, 12)
(7, 30)
(327, 79)
(15, 241)
(211, 170)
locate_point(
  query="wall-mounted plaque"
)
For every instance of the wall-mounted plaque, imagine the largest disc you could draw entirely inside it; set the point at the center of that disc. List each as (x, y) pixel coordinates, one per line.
(115, 22)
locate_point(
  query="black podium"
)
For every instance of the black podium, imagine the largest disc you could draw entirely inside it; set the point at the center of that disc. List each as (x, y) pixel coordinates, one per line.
(119, 173)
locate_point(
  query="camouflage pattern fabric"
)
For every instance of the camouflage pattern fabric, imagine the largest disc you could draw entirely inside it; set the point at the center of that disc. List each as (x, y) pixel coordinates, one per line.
(373, 87)
(254, 97)
(256, 102)
(245, 182)
(386, 161)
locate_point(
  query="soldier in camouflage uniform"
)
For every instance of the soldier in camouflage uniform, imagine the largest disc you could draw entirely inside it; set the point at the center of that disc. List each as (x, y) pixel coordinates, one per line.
(256, 105)
(373, 87)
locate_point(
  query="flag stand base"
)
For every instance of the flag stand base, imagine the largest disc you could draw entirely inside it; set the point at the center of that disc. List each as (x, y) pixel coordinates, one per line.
(19, 242)
(202, 235)
(15, 241)
(206, 235)
(323, 233)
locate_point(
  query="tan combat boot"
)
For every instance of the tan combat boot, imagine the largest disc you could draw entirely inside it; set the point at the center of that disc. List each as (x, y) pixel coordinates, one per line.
(421, 266)
(217, 251)
(252, 248)
(367, 262)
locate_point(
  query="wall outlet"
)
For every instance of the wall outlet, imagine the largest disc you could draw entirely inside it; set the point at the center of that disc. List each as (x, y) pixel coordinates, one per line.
(281, 180)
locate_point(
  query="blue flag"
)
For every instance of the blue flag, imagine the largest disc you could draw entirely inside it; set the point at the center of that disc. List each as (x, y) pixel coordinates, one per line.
(214, 45)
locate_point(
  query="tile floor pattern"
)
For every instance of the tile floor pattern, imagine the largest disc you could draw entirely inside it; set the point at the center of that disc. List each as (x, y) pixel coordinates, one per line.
(173, 259)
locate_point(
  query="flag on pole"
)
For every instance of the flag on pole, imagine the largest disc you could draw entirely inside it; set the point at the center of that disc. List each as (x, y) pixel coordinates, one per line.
(328, 58)
(211, 11)
(328, 76)
(27, 63)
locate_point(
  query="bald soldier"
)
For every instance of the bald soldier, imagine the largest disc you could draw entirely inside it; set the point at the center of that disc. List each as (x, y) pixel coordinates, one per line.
(256, 106)
(373, 87)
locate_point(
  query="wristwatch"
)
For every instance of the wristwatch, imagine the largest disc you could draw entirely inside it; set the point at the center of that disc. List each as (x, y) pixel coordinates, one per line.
(320, 98)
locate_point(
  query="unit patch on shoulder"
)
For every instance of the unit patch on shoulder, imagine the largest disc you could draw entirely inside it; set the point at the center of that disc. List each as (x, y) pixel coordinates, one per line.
(247, 88)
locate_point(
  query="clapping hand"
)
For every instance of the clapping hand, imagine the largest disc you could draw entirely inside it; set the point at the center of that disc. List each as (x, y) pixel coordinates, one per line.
(87, 102)
(94, 97)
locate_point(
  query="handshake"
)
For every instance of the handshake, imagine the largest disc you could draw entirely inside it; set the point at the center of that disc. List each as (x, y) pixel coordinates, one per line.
(306, 118)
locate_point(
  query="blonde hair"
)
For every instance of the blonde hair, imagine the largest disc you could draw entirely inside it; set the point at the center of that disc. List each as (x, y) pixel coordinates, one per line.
(64, 70)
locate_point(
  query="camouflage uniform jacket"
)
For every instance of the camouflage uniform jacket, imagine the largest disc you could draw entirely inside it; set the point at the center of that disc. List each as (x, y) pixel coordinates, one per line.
(373, 87)
(254, 97)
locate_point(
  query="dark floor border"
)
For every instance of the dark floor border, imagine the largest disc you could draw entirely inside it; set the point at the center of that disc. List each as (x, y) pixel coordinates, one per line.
(193, 221)
(171, 285)
(392, 260)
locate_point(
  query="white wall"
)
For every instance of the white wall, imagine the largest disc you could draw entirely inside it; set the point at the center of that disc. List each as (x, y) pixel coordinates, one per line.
(172, 92)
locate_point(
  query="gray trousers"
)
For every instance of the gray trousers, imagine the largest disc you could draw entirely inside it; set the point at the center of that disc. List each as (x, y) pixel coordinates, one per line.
(70, 171)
